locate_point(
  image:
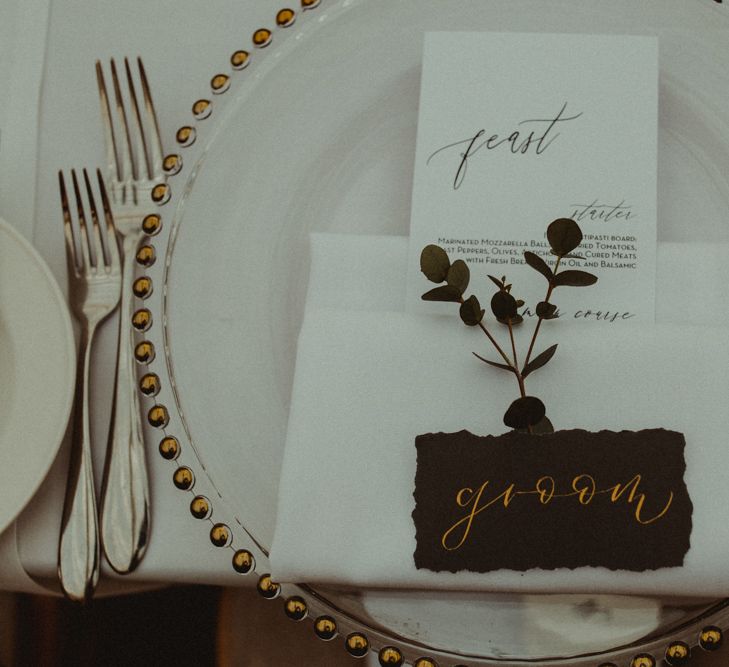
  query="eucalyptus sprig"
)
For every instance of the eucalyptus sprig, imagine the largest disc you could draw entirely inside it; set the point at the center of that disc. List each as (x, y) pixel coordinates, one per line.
(526, 413)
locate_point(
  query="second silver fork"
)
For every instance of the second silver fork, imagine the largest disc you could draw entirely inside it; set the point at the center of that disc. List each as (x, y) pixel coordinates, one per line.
(94, 280)
(134, 168)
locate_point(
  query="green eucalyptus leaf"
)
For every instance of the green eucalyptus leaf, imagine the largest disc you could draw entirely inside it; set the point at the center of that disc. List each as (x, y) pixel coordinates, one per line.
(503, 306)
(443, 293)
(539, 361)
(514, 321)
(538, 264)
(471, 312)
(434, 263)
(564, 235)
(573, 278)
(544, 427)
(524, 412)
(546, 310)
(458, 275)
(497, 282)
(494, 363)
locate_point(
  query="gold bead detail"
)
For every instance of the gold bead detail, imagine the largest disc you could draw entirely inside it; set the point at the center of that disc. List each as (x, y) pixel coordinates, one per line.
(172, 164)
(711, 638)
(158, 416)
(285, 18)
(357, 645)
(169, 448)
(220, 535)
(161, 193)
(678, 654)
(202, 109)
(389, 655)
(142, 319)
(425, 662)
(186, 136)
(149, 384)
(325, 627)
(243, 561)
(183, 478)
(309, 4)
(220, 83)
(142, 287)
(643, 660)
(146, 255)
(267, 587)
(200, 507)
(262, 37)
(295, 608)
(151, 224)
(144, 352)
(240, 59)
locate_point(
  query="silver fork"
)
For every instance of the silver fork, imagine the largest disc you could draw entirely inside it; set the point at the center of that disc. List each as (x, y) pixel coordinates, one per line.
(133, 170)
(94, 281)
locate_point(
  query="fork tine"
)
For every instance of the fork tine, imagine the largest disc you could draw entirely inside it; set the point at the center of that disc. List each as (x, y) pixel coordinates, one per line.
(101, 259)
(84, 241)
(128, 167)
(155, 136)
(142, 156)
(110, 227)
(109, 139)
(67, 229)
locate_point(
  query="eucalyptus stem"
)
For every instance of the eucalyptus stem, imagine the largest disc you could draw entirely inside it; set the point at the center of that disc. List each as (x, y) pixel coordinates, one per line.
(519, 377)
(539, 321)
(496, 345)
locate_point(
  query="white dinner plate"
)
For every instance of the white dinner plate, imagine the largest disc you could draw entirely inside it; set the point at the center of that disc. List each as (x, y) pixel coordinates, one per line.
(37, 371)
(318, 134)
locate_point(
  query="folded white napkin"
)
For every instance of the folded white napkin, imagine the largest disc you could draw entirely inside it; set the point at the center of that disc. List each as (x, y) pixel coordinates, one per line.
(370, 378)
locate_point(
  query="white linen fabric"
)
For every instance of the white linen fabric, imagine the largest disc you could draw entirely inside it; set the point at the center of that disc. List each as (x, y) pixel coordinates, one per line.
(370, 378)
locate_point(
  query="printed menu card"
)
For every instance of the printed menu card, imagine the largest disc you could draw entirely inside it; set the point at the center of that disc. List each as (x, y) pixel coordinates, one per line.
(516, 130)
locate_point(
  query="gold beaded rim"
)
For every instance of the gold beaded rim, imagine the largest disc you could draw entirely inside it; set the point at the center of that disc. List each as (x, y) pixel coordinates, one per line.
(142, 287)
(149, 384)
(425, 662)
(172, 164)
(152, 224)
(267, 587)
(186, 136)
(240, 59)
(357, 645)
(146, 256)
(243, 561)
(295, 608)
(200, 507)
(389, 655)
(285, 18)
(643, 660)
(262, 38)
(144, 352)
(142, 319)
(325, 627)
(678, 654)
(219, 84)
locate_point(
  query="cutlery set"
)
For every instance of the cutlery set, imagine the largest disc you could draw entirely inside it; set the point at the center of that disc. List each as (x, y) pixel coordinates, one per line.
(102, 219)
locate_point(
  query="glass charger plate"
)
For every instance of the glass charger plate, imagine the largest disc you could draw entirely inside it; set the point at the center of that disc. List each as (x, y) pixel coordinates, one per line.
(318, 134)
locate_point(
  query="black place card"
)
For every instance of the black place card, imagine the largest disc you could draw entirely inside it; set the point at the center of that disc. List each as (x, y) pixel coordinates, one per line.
(563, 500)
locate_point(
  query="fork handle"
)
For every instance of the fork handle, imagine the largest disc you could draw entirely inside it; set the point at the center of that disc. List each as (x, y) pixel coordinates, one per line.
(78, 547)
(125, 516)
